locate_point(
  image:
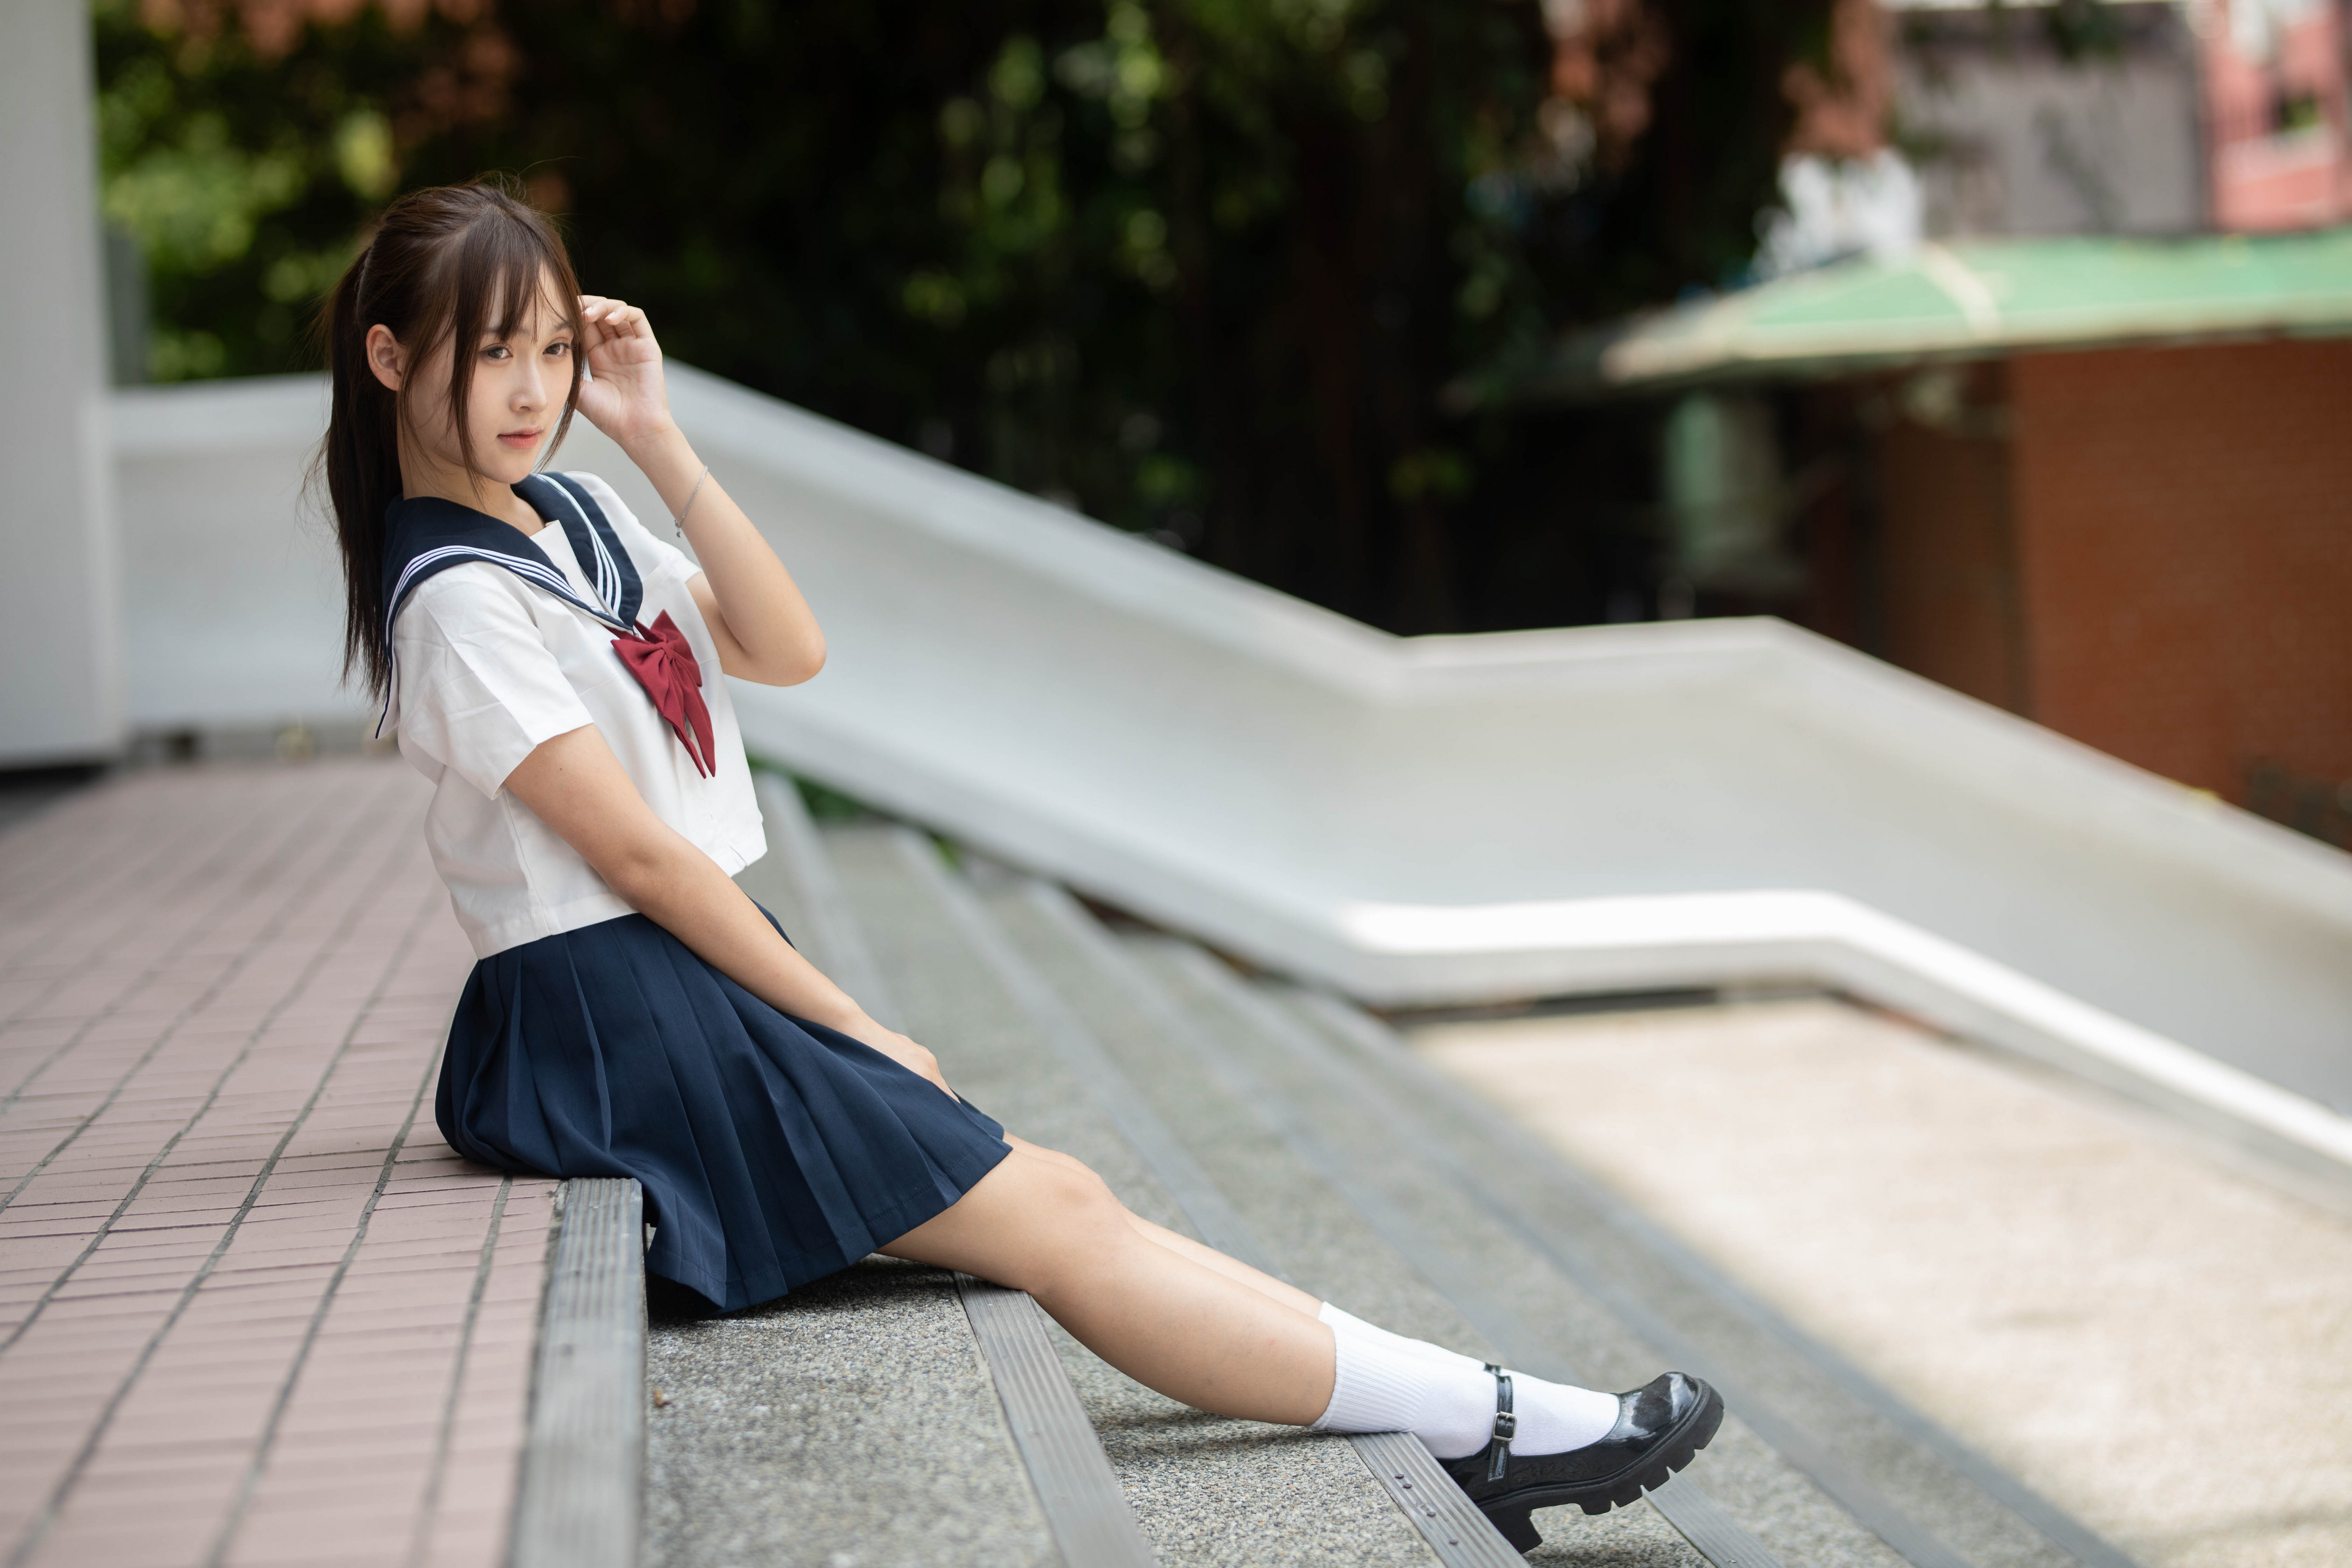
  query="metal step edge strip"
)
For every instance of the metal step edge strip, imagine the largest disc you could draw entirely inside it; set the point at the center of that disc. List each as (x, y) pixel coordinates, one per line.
(1085, 1509)
(1683, 1503)
(1526, 1151)
(1085, 1506)
(579, 1490)
(1457, 1533)
(840, 948)
(1870, 1508)
(1448, 1520)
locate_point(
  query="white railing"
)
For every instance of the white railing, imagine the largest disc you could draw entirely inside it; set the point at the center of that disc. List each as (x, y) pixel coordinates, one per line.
(1410, 820)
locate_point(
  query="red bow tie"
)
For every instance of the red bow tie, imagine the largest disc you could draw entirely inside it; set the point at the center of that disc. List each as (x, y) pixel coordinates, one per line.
(665, 666)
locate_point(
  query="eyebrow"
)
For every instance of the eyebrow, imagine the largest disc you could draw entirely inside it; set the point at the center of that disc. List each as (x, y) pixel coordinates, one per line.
(499, 332)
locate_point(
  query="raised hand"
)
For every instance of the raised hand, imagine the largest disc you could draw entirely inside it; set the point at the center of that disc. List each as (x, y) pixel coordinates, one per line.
(623, 393)
(754, 610)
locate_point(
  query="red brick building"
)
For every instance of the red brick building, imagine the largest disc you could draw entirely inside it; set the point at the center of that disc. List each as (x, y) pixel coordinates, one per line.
(2146, 549)
(2104, 484)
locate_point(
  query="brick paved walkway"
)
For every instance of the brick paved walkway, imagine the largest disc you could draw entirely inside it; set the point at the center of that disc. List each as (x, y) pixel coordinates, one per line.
(252, 1308)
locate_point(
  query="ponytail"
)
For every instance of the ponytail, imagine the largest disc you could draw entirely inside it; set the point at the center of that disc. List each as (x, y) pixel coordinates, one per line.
(362, 462)
(444, 264)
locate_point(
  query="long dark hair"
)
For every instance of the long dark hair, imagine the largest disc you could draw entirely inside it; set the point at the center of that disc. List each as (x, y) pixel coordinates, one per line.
(445, 266)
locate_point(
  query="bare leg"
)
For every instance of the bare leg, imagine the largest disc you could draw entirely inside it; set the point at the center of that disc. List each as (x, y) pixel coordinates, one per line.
(1232, 1268)
(1049, 1225)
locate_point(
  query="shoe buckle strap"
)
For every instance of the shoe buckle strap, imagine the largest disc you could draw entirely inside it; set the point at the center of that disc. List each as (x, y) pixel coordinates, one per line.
(1506, 1425)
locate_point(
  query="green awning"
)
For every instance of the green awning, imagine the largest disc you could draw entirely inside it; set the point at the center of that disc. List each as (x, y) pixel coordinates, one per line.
(1975, 300)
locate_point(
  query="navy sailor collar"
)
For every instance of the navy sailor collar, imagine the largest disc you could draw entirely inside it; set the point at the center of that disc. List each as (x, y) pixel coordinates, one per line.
(426, 535)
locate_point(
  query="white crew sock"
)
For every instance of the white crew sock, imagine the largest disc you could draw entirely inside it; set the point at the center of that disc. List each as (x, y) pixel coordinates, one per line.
(1347, 1322)
(1386, 1382)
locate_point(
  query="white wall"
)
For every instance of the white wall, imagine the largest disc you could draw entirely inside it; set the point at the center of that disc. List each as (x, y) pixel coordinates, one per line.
(1440, 818)
(231, 585)
(60, 696)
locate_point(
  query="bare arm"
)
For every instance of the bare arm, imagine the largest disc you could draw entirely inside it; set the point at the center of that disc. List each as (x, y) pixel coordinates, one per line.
(764, 628)
(578, 787)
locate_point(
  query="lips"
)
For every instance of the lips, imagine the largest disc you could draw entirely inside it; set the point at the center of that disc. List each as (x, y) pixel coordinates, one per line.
(520, 440)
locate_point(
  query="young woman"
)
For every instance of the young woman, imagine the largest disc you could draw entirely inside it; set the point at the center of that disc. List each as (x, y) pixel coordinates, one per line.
(551, 665)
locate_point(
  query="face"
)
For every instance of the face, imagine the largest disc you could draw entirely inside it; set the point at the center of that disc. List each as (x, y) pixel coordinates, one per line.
(520, 382)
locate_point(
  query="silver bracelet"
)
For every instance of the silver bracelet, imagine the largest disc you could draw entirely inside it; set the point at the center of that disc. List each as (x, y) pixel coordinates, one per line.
(679, 522)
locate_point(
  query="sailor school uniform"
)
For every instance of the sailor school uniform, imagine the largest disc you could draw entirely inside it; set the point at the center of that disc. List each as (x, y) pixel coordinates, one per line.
(588, 1041)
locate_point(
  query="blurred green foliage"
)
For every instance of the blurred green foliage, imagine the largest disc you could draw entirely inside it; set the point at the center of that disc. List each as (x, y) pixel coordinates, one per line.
(246, 178)
(1201, 268)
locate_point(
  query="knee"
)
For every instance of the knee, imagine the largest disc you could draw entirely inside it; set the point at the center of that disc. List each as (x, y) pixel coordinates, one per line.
(1075, 1191)
(1074, 1212)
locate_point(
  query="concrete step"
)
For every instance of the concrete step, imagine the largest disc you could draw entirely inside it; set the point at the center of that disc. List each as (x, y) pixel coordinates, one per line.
(1743, 1502)
(1315, 1227)
(1917, 1487)
(855, 1421)
(1205, 1490)
(890, 1415)
(1288, 1129)
(1247, 1058)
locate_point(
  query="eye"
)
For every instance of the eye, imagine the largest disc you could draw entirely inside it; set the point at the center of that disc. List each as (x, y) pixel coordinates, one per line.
(498, 350)
(558, 350)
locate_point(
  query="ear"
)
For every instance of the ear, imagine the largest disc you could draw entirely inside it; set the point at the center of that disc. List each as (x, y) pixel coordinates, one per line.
(385, 356)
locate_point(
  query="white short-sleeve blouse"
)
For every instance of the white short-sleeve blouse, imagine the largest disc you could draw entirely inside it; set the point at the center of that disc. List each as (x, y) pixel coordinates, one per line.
(487, 666)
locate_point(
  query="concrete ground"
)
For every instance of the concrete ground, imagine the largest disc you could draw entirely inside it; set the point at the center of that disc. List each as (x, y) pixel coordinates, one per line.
(853, 1422)
(2153, 1333)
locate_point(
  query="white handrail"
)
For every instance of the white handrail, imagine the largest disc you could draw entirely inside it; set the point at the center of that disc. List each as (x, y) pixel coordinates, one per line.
(1413, 820)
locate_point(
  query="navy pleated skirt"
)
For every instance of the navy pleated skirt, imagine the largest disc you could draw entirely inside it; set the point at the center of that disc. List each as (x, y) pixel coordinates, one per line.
(772, 1150)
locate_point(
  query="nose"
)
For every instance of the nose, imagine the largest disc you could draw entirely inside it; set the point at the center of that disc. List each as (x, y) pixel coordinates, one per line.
(531, 387)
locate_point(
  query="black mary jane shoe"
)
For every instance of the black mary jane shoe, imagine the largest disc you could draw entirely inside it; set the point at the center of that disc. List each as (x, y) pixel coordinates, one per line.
(1660, 1426)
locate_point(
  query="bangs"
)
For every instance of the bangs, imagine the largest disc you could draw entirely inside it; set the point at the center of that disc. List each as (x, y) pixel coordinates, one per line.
(492, 278)
(505, 272)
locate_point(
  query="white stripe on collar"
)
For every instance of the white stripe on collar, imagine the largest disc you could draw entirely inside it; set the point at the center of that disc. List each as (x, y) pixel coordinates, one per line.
(608, 576)
(547, 577)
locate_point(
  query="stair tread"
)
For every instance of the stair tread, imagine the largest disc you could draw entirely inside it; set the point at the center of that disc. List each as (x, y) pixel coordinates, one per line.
(1753, 1483)
(856, 1415)
(785, 1436)
(1204, 1491)
(1314, 1231)
(1673, 1297)
(1505, 1292)
(1209, 1490)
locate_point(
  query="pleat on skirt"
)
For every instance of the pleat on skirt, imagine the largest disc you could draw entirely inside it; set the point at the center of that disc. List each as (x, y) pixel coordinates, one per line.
(773, 1150)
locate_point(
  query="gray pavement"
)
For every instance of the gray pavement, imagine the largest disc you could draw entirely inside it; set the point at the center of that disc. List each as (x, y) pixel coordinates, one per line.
(851, 1424)
(797, 1433)
(1207, 1492)
(1820, 1412)
(1312, 1230)
(2156, 1333)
